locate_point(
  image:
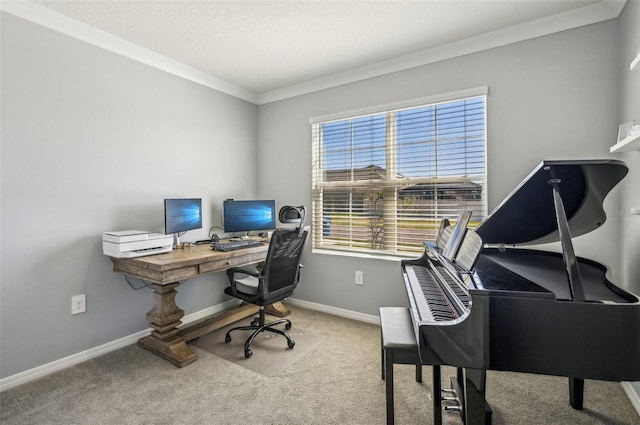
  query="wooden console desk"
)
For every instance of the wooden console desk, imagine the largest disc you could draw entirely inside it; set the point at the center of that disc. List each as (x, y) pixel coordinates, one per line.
(165, 272)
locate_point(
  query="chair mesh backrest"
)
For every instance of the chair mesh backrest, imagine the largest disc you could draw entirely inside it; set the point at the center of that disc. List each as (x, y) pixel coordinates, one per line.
(283, 259)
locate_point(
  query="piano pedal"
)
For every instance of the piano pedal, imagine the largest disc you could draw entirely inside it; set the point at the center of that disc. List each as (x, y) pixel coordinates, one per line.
(450, 403)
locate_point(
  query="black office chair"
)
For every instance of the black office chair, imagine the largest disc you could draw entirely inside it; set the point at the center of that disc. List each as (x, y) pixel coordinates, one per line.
(275, 280)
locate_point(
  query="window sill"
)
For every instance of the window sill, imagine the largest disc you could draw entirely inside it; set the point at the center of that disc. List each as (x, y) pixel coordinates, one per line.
(371, 256)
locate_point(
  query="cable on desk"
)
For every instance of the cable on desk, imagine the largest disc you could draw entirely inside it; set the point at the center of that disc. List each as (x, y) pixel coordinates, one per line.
(144, 284)
(211, 233)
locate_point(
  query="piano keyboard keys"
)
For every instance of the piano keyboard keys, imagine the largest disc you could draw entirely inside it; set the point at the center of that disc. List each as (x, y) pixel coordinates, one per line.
(437, 301)
(419, 307)
(462, 295)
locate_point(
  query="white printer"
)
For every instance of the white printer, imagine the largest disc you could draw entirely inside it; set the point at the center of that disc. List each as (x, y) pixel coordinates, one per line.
(135, 243)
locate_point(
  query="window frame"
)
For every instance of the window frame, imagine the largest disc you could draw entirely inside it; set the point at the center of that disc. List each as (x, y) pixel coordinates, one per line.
(390, 185)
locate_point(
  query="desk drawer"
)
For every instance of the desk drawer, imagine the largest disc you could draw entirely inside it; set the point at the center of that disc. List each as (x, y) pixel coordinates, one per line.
(241, 260)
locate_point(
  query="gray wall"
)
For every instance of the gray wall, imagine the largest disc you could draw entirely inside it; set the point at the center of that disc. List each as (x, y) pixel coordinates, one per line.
(93, 142)
(630, 111)
(553, 97)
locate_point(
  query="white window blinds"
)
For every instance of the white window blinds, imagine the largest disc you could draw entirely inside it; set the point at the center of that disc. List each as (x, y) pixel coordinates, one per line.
(383, 180)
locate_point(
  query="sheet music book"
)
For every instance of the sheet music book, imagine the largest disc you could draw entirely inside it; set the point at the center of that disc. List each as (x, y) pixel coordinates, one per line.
(453, 244)
(444, 232)
(469, 251)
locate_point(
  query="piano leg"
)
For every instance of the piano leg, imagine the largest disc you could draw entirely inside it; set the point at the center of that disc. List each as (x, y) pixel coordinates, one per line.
(388, 375)
(576, 392)
(437, 395)
(476, 411)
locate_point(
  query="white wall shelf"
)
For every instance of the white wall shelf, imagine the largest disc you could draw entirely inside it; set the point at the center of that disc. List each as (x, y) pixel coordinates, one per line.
(631, 143)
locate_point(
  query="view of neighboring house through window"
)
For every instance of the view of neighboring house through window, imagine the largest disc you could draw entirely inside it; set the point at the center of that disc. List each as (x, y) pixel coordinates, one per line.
(383, 179)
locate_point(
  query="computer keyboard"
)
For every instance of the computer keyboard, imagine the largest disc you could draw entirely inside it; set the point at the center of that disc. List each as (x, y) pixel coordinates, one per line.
(233, 245)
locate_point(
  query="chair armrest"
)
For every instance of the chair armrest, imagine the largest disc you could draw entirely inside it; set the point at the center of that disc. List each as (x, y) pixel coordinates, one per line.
(243, 270)
(233, 290)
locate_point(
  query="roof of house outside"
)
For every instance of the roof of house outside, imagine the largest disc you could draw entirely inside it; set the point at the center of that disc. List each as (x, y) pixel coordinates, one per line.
(370, 172)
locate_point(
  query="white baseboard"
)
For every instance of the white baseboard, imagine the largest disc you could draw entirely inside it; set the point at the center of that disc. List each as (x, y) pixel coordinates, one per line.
(83, 356)
(354, 315)
(74, 359)
(46, 369)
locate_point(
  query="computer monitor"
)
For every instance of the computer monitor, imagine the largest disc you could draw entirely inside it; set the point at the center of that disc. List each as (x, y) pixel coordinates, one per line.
(181, 215)
(247, 216)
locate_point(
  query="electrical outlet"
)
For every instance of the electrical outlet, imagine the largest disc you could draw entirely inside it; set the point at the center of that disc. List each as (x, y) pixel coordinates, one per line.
(359, 278)
(78, 304)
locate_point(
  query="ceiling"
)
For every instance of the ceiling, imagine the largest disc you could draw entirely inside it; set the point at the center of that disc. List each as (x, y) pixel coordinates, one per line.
(274, 49)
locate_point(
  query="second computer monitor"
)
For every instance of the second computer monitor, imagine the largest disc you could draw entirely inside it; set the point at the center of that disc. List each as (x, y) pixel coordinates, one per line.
(248, 216)
(181, 215)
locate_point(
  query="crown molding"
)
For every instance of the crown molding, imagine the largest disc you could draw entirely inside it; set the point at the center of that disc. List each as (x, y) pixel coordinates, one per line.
(58, 22)
(602, 11)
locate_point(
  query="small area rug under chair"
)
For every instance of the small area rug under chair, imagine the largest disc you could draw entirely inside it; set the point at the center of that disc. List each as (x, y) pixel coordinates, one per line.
(271, 355)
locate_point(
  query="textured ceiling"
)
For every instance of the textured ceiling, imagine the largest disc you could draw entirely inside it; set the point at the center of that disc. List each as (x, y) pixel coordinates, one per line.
(263, 46)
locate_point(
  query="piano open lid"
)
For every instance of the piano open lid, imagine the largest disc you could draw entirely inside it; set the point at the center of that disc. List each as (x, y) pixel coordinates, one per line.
(527, 215)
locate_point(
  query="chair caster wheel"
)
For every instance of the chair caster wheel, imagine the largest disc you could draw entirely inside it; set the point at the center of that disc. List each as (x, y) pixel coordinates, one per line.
(287, 326)
(291, 343)
(227, 339)
(247, 353)
(255, 322)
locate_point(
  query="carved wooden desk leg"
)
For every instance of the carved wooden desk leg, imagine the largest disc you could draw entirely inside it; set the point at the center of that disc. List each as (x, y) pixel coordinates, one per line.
(164, 319)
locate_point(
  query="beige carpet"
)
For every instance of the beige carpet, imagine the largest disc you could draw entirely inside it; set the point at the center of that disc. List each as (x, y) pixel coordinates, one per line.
(338, 383)
(271, 355)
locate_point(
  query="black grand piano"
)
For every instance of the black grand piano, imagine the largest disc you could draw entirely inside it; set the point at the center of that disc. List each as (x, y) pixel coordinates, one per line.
(488, 304)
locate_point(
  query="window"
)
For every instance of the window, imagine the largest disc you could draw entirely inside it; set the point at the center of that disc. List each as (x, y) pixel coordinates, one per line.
(383, 179)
